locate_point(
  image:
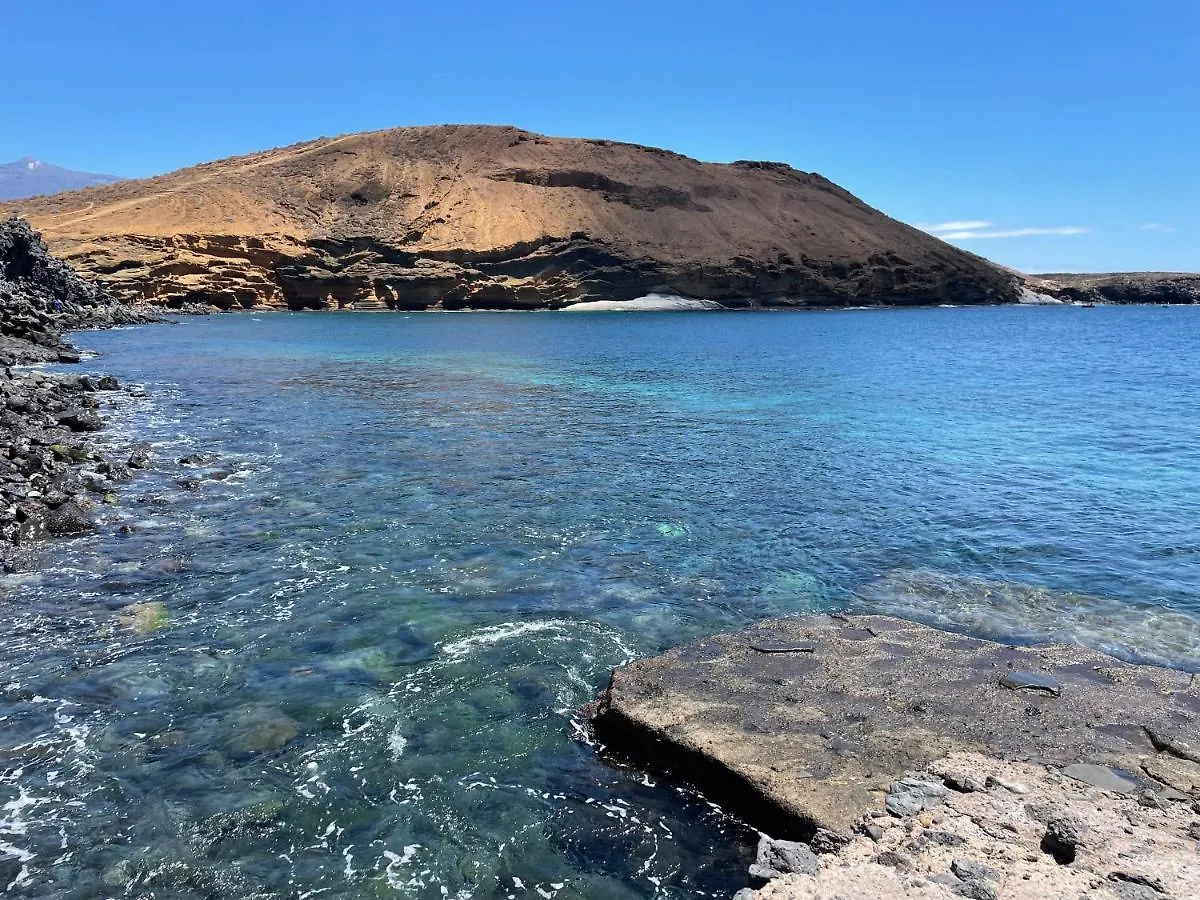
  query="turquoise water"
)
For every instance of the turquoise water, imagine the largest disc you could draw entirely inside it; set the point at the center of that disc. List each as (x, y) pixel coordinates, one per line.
(422, 542)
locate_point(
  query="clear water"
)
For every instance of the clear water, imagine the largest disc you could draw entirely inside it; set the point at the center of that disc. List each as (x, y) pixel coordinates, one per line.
(429, 537)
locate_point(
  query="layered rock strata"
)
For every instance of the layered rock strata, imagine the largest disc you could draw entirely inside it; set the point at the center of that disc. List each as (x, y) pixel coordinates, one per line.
(480, 217)
(1121, 287)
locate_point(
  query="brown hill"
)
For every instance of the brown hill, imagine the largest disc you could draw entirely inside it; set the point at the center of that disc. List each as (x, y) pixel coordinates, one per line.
(497, 217)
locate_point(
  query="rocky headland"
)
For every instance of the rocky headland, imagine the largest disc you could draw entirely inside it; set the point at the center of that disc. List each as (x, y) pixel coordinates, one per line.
(53, 475)
(887, 758)
(1120, 287)
(482, 217)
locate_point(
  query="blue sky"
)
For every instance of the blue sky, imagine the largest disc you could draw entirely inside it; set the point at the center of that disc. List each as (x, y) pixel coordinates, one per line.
(1051, 135)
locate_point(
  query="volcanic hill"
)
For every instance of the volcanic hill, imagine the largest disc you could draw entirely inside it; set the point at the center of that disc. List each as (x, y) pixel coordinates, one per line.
(485, 217)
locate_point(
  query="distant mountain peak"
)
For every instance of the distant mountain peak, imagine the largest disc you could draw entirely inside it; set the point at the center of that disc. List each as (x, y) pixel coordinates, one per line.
(30, 177)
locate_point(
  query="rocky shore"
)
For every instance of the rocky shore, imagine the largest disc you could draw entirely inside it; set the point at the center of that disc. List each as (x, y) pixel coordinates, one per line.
(1171, 288)
(53, 474)
(887, 758)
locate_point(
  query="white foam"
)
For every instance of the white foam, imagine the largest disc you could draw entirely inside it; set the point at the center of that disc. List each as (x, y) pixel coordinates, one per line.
(494, 634)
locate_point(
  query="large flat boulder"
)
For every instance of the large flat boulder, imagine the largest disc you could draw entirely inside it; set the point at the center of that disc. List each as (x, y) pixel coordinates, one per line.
(802, 724)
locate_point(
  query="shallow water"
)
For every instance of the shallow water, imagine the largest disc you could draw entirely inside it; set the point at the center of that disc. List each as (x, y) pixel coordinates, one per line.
(425, 539)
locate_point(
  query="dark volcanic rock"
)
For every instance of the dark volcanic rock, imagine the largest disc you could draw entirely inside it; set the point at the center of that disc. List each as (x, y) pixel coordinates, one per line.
(43, 482)
(81, 420)
(481, 217)
(69, 518)
(41, 297)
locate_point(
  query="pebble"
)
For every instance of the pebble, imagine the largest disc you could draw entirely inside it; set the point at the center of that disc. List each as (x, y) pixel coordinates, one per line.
(1025, 680)
(777, 858)
(1013, 786)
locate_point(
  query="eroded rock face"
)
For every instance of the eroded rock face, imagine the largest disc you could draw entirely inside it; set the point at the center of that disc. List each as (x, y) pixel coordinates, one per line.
(457, 217)
(1121, 287)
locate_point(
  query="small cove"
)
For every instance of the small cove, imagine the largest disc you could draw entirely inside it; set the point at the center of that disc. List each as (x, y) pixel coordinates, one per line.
(423, 541)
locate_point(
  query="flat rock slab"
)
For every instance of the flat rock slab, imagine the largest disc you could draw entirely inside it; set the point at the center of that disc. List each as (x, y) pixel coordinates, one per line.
(798, 741)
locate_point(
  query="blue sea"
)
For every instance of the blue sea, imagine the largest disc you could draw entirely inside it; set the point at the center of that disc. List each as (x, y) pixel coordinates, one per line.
(342, 654)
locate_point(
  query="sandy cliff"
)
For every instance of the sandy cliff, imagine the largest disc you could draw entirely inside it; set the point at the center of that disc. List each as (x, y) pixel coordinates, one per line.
(496, 217)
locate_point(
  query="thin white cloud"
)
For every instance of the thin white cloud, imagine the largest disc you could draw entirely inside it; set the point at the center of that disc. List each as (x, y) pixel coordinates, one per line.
(1157, 226)
(1013, 233)
(965, 225)
(971, 229)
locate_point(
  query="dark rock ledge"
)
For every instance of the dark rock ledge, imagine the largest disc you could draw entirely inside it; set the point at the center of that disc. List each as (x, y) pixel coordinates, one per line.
(916, 762)
(52, 473)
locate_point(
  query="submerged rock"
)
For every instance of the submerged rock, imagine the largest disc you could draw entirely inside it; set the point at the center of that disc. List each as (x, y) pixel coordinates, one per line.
(1008, 611)
(145, 618)
(259, 729)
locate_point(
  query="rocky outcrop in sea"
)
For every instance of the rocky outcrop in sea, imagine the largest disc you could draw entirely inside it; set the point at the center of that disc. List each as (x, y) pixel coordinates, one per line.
(1170, 288)
(41, 297)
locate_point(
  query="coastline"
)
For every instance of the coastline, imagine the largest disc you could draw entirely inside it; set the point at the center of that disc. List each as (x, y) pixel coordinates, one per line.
(896, 759)
(54, 476)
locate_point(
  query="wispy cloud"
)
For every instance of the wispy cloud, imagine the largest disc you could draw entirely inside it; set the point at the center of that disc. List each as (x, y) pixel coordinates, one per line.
(1157, 226)
(964, 225)
(971, 229)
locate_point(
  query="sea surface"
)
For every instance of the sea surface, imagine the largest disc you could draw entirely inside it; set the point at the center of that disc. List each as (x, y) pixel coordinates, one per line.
(342, 654)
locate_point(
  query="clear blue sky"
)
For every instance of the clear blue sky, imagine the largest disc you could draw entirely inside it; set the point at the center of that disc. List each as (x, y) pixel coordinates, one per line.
(1058, 115)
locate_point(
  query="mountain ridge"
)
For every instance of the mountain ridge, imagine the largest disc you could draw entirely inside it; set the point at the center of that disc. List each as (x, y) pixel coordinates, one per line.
(28, 177)
(462, 216)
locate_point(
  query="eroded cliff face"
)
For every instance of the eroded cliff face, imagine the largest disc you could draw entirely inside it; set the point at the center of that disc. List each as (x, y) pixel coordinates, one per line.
(455, 217)
(1121, 287)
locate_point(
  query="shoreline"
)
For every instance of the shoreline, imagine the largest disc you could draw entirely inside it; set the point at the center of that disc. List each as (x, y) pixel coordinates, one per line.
(620, 307)
(891, 758)
(54, 477)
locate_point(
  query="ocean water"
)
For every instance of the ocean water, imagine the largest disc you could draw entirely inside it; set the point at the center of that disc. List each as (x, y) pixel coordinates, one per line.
(347, 662)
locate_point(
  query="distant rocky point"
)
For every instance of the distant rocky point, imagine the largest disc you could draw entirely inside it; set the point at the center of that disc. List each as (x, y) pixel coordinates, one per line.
(1121, 287)
(28, 177)
(483, 217)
